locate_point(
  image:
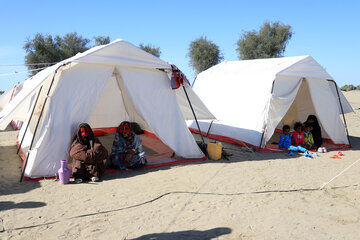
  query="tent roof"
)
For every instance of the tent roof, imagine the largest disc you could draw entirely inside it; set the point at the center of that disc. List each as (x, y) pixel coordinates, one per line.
(120, 53)
(301, 66)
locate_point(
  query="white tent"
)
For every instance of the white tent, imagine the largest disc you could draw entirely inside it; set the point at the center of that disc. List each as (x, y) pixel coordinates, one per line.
(254, 97)
(7, 96)
(102, 86)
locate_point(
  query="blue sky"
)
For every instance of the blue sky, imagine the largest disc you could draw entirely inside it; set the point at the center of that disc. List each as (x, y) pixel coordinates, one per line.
(329, 30)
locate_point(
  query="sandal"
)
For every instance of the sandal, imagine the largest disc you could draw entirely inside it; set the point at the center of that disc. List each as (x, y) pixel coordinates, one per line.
(94, 179)
(78, 180)
(291, 153)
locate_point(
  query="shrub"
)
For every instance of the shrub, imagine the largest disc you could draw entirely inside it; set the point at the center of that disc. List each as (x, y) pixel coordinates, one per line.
(348, 87)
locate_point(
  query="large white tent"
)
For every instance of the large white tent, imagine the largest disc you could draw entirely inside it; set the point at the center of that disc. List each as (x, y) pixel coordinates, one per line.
(252, 98)
(102, 86)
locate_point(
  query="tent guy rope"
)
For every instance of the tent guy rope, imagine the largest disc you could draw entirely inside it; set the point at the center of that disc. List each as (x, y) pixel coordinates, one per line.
(339, 174)
(99, 212)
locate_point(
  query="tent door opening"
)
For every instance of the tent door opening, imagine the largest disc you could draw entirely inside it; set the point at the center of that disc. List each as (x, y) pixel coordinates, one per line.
(299, 110)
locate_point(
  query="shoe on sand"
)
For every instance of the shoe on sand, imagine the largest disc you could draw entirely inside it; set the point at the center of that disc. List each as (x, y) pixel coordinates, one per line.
(94, 179)
(308, 155)
(291, 153)
(78, 180)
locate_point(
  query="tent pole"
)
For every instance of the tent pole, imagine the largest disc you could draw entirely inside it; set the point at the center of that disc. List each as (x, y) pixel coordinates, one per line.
(197, 123)
(38, 121)
(264, 125)
(207, 134)
(192, 85)
(32, 113)
(342, 110)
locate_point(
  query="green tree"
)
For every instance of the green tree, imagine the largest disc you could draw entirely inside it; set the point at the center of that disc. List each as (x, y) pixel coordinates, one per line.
(45, 50)
(101, 40)
(348, 87)
(203, 54)
(151, 49)
(71, 44)
(269, 42)
(41, 49)
(358, 87)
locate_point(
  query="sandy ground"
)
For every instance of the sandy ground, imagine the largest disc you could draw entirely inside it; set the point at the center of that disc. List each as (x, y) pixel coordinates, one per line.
(252, 196)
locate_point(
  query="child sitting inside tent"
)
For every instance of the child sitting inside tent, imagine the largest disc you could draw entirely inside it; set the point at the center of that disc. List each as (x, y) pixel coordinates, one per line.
(297, 136)
(316, 130)
(88, 154)
(308, 138)
(285, 143)
(127, 151)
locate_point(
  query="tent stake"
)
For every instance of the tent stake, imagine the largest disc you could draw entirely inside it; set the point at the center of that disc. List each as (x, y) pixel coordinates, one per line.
(32, 112)
(197, 123)
(38, 121)
(342, 110)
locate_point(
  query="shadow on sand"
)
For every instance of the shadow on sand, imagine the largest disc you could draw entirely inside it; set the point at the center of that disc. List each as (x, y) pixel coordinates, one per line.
(10, 172)
(355, 142)
(191, 234)
(7, 205)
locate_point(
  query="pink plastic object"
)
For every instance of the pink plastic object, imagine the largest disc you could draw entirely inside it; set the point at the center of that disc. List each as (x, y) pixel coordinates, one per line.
(64, 172)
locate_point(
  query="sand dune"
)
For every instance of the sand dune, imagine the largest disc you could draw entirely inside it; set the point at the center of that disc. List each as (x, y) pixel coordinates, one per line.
(252, 196)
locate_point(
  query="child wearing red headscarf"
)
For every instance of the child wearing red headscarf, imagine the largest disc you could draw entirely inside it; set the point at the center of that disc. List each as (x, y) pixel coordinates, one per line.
(88, 154)
(127, 151)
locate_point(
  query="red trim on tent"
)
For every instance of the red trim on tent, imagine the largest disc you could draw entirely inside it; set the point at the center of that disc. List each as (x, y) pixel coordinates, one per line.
(109, 171)
(14, 125)
(105, 131)
(12, 94)
(225, 139)
(269, 147)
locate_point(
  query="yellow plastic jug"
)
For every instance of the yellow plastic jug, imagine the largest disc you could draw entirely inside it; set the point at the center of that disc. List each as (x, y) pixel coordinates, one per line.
(214, 150)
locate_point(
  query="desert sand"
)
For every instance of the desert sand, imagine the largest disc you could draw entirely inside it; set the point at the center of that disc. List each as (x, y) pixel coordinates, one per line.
(251, 196)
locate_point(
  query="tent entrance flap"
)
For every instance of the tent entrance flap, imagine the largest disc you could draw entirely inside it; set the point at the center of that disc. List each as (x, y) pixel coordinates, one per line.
(301, 107)
(114, 106)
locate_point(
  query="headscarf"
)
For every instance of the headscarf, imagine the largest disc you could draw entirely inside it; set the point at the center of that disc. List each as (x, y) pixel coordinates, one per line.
(126, 132)
(316, 131)
(85, 135)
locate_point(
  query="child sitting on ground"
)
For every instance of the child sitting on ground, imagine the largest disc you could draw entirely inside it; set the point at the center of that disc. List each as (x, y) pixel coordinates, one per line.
(285, 143)
(297, 136)
(308, 138)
